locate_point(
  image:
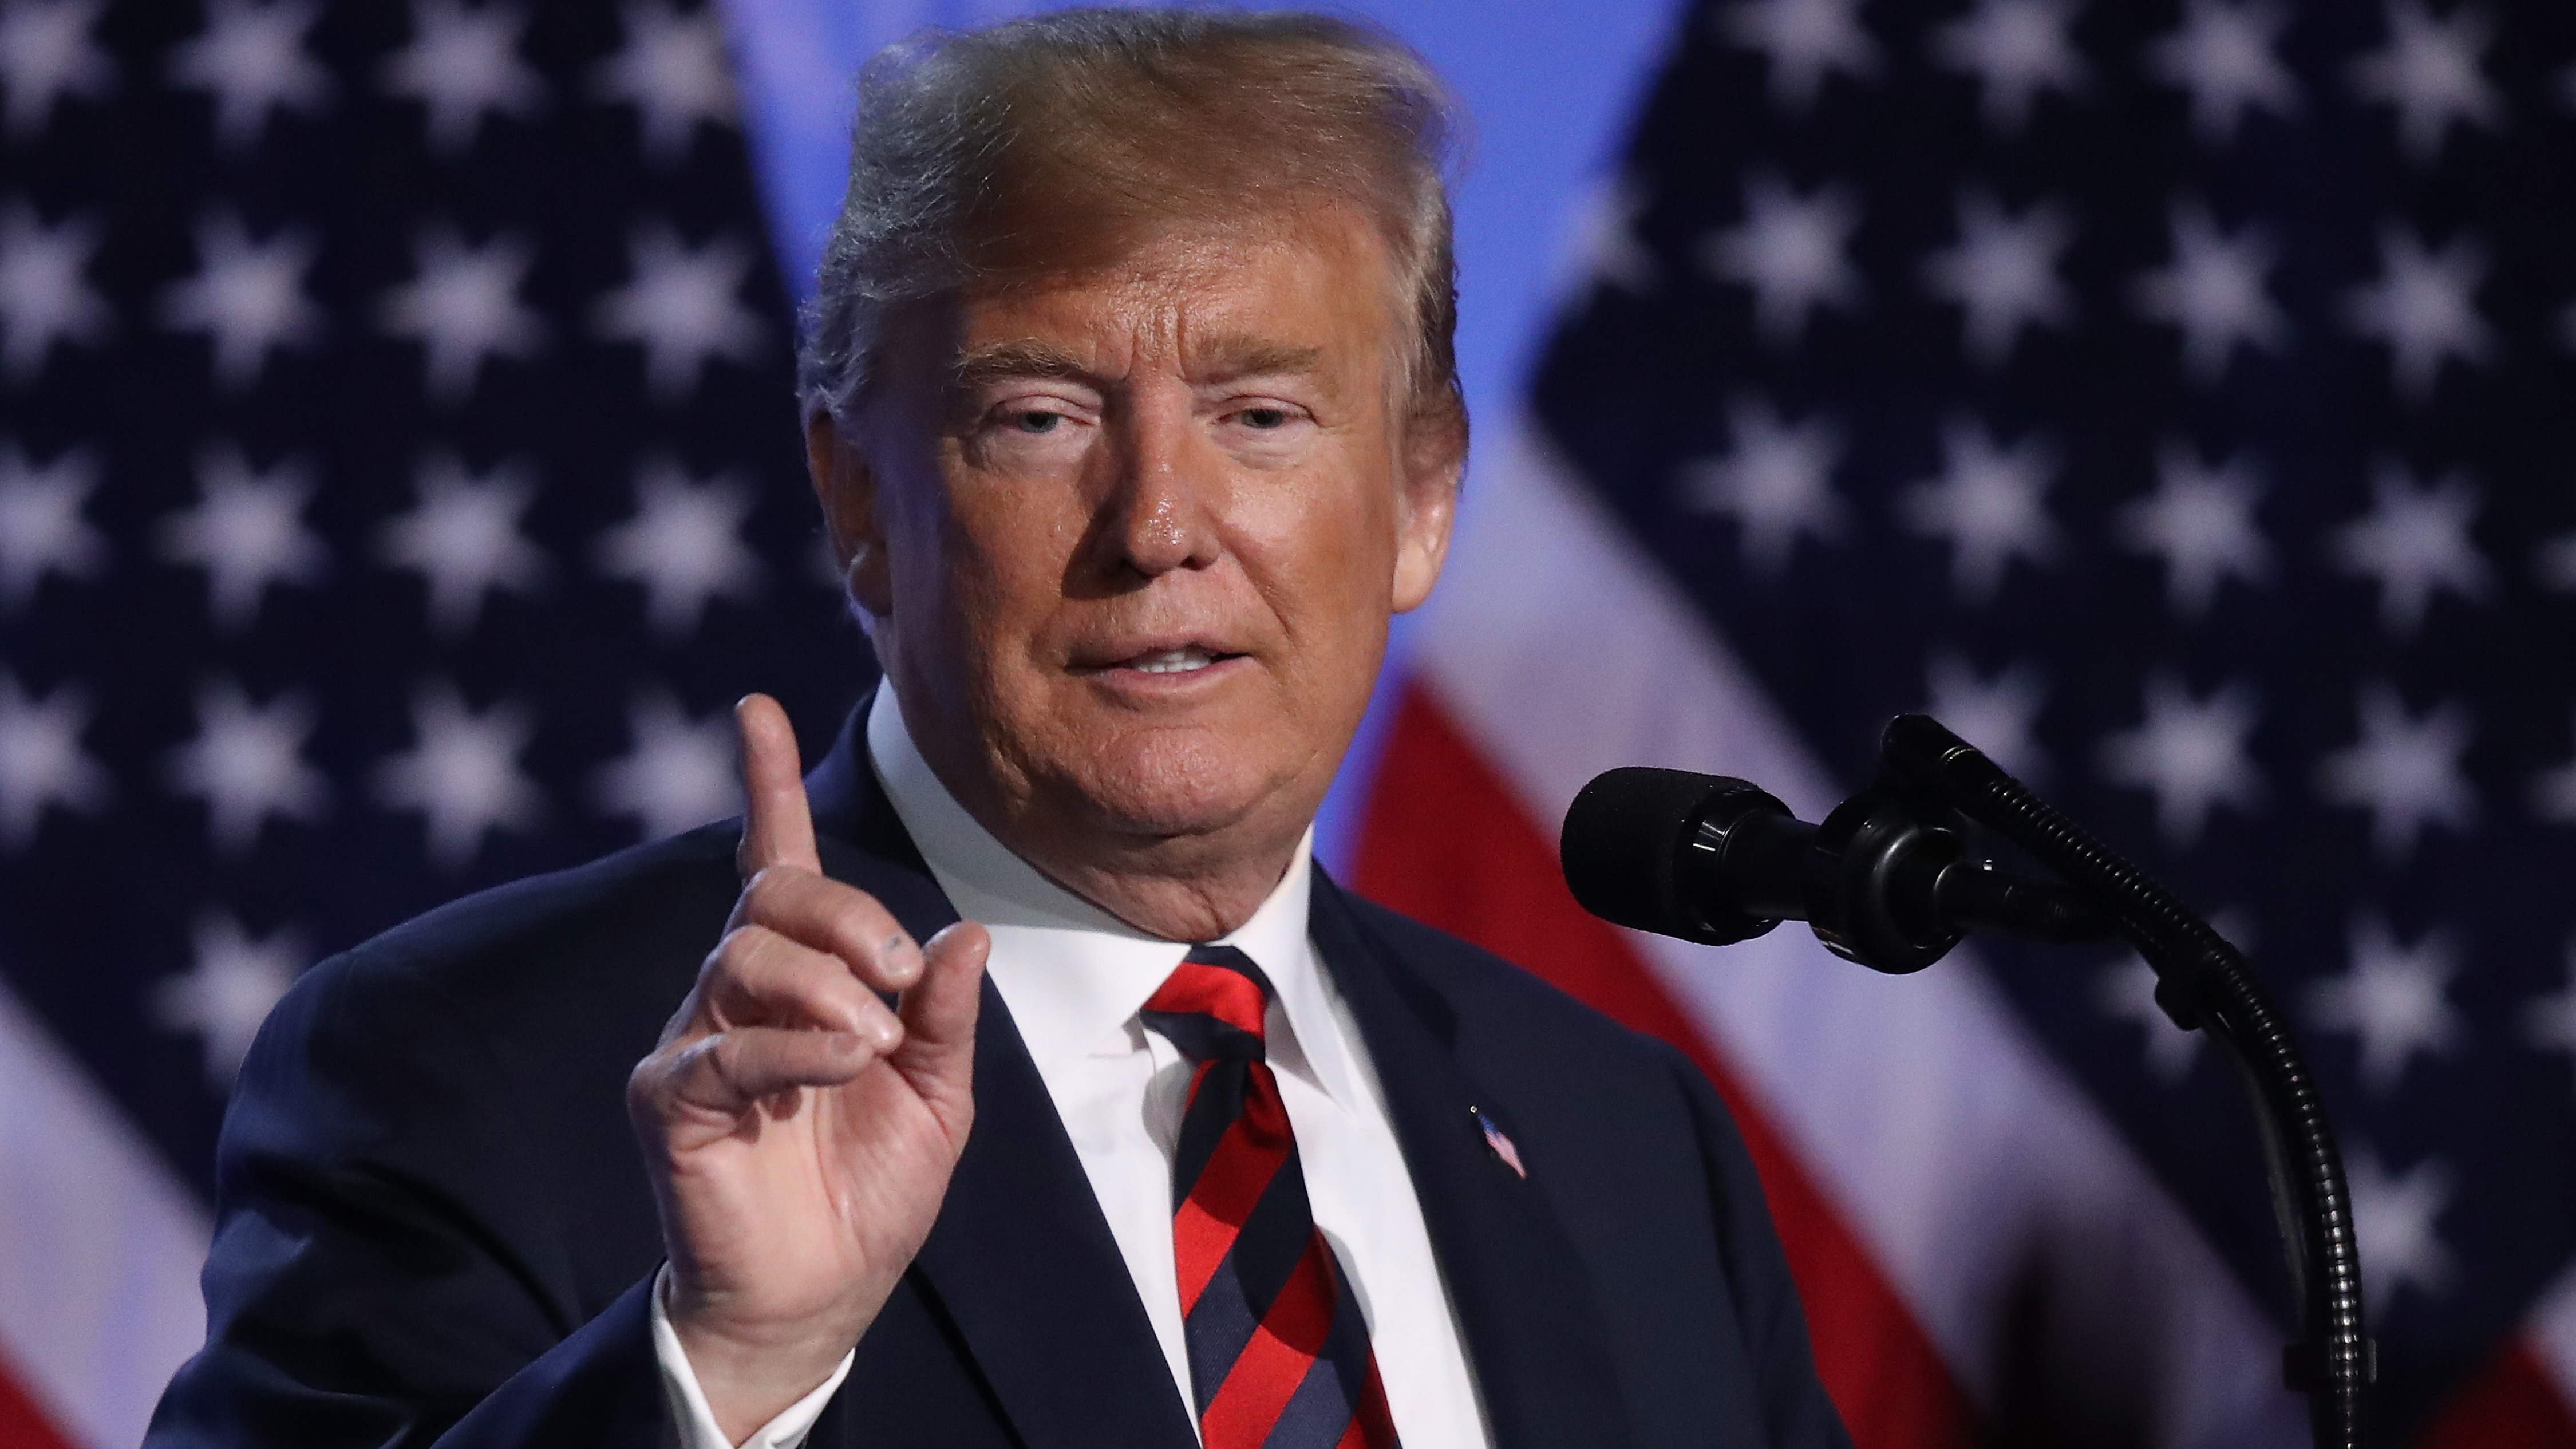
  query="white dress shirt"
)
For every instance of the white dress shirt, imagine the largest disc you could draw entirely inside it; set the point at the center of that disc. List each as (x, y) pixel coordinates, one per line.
(1074, 977)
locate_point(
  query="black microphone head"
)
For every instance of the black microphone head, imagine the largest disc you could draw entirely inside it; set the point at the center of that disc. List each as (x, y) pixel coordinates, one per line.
(1622, 850)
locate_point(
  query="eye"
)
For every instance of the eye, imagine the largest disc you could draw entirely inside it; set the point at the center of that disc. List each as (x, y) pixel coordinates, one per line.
(1263, 419)
(1031, 421)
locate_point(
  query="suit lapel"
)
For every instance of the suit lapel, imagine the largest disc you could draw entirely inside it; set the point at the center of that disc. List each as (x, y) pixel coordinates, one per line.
(1020, 1260)
(1523, 1302)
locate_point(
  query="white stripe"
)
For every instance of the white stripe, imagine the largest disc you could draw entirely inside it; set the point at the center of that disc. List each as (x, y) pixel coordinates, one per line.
(2552, 1332)
(1973, 1168)
(100, 1244)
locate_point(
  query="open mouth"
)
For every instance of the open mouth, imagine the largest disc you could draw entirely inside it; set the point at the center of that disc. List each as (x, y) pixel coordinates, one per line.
(1181, 659)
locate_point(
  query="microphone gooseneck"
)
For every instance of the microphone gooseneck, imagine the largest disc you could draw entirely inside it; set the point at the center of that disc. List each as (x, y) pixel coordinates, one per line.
(1887, 880)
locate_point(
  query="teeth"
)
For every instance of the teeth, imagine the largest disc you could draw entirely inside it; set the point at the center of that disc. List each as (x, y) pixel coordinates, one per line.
(1173, 661)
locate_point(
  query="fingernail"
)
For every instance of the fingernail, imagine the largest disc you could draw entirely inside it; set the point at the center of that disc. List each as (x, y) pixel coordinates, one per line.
(902, 957)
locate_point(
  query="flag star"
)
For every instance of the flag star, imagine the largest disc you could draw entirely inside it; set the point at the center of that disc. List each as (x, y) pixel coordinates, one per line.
(1988, 502)
(2200, 521)
(2191, 754)
(47, 51)
(2550, 1021)
(42, 529)
(2015, 49)
(247, 764)
(247, 532)
(2223, 55)
(2394, 1001)
(2423, 307)
(229, 991)
(1607, 250)
(683, 545)
(463, 307)
(251, 59)
(2003, 274)
(462, 65)
(2553, 794)
(682, 308)
(464, 540)
(45, 296)
(2213, 293)
(1789, 252)
(2413, 542)
(2429, 72)
(672, 70)
(1802, 42)
(680, 772)
(2393, 1223)
(2404, 770)
(247, 297)
(42, 764)
(1776, 485)
(1998, 714)
(462, 775)
(2126, 991)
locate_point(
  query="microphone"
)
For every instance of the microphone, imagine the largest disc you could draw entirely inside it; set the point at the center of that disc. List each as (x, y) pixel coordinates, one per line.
(1886, 880)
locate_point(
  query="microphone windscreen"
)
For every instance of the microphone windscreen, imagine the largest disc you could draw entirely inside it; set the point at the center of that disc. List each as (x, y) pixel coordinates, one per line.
(1622, 843)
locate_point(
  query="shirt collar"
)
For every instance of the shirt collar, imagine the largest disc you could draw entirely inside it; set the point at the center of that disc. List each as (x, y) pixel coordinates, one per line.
(1074, 975)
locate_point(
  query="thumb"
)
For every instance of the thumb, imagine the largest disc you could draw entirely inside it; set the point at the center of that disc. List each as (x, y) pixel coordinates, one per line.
(937, 1054)
(777, 824)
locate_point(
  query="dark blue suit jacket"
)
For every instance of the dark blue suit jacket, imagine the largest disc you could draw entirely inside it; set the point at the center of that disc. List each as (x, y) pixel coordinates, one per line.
(434, 1225)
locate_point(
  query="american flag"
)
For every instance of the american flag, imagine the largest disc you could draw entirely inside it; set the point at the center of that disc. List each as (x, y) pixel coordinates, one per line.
(399, 476)
(2179, 401)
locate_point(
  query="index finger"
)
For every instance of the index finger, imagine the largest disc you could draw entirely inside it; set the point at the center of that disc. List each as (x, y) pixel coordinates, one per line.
(777, 824)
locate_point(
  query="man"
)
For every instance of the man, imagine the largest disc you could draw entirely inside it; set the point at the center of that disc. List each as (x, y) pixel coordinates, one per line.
(1131, 410)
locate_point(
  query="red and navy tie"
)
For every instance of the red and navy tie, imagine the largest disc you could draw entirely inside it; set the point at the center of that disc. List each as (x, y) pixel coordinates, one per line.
(1279, 1354)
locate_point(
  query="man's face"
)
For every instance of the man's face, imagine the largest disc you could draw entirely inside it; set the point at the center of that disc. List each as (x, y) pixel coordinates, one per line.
(1132, 534)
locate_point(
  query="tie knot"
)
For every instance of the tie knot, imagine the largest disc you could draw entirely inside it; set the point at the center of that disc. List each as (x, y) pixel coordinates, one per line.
(1211, 1005)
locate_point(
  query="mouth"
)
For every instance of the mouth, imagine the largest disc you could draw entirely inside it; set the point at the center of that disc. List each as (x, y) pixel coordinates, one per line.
(1169, 661)
(1189, 659)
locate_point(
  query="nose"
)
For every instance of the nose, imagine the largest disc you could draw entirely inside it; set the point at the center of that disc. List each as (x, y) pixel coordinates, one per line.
(1160, 513)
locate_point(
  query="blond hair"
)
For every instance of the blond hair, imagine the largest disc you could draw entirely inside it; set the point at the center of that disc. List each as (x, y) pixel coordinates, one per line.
(967, 141)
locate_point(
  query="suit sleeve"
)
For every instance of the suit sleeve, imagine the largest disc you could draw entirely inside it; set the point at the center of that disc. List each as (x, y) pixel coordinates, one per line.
(1795, 1409)
(389, 1267)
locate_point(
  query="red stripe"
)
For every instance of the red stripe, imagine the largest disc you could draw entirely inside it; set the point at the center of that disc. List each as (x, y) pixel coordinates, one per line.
(1445, 841)
(2511, 1404)
(1236, 1175)
(22, 1424)
(1197, 989)
(1266, 1374)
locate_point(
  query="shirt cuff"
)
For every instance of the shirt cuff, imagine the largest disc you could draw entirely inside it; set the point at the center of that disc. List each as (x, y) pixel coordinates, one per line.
(695, 1423)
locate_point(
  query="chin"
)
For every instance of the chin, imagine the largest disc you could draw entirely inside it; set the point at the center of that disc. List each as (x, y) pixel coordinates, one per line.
(1176, 783)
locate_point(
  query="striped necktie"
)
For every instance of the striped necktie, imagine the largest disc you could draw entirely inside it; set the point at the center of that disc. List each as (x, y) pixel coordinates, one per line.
(1279, 1354)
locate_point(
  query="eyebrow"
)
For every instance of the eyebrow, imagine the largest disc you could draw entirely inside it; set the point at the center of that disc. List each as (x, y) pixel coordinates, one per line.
(1228, 358)
(1004, 360)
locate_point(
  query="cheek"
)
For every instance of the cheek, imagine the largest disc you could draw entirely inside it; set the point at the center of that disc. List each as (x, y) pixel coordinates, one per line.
(1330, 550)
(1004, 550)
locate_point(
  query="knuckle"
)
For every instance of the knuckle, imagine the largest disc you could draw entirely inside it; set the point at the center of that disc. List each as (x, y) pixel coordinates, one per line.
(742, 953)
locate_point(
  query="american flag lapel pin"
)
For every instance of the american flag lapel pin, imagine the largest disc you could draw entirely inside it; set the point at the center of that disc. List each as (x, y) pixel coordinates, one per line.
(1501, 1144)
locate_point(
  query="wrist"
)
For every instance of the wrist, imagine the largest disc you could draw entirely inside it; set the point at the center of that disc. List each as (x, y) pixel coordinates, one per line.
(749, 1371)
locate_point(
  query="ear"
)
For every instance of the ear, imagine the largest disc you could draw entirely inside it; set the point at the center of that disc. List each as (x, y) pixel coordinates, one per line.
(845, 483)
(1426, 505)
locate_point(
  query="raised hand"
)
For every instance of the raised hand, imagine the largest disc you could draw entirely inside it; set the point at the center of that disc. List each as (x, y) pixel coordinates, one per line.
(800, 1134)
